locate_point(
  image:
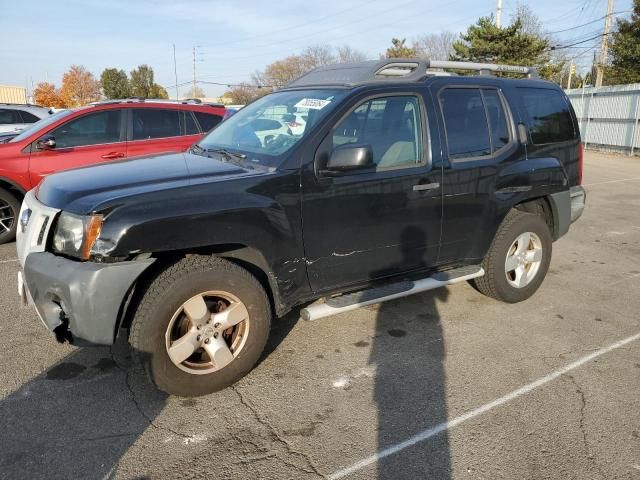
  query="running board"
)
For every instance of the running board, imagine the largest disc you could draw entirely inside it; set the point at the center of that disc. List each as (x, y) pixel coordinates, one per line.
(351, 301)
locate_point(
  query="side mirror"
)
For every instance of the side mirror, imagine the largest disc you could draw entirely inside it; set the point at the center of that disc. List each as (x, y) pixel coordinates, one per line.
(350, 157)
(46, 143)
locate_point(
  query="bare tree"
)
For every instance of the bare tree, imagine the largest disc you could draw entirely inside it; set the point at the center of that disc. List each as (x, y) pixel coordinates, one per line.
(435, 46)
(317, 56)
(348, 54)
(531, 24)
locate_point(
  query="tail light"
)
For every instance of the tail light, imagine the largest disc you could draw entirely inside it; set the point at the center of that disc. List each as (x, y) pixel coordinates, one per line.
(580, 162)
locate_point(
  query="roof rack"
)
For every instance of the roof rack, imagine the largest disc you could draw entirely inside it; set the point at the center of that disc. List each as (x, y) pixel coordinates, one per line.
(186, 101)
(397, 69)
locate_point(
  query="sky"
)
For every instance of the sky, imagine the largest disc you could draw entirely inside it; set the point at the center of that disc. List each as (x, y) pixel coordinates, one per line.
(233, 38)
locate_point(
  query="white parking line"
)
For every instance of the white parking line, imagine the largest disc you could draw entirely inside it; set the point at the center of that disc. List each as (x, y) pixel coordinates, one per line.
(611, 181)
(431, 432)
(9, 261)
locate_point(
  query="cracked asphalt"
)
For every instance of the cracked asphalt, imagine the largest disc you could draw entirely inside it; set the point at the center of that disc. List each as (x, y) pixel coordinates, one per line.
(331, 393)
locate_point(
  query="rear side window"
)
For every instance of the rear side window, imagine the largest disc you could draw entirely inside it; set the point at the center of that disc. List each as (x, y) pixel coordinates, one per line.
(475, 121)
(91, 129)
(8, 117)
(548, 115)
(151, 123)
(28, 117)
(207, 120)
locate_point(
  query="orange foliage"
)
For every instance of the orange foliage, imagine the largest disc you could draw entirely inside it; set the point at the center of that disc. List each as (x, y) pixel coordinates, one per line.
(46, 95)
(79, 87)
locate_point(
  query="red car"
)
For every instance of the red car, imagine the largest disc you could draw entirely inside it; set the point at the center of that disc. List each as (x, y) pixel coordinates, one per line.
(99, 132)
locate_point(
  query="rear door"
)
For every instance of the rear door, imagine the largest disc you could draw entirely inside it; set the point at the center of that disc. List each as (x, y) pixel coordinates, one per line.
(10, 120)
(479, 140)
(93, 137)
(159, 130)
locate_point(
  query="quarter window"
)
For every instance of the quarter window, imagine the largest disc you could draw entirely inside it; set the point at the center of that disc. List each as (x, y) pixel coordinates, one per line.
(392, 126)
(548, 115)
(28, 117)
(190, 126)
(91, 129)
(207, 121)
(151, 123)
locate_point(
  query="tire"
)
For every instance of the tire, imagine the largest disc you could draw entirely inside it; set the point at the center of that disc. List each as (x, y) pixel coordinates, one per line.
(9, 211)
(155, 322)
(502, 285)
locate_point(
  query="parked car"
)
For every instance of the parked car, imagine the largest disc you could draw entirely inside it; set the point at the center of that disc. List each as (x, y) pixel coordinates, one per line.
(401, 182)
(17, 117)
(101, 132)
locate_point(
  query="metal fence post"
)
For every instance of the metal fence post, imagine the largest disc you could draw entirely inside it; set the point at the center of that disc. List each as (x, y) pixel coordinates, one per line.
(635, 125)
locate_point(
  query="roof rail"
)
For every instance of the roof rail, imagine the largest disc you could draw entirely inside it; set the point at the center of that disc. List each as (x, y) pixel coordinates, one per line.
(193, 101)
(396, 69)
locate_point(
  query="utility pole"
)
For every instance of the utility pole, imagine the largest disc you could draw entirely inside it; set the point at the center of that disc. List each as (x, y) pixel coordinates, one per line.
(499, 14)
(193, 92)
(175, 71)
(572, 69)
(605, 44)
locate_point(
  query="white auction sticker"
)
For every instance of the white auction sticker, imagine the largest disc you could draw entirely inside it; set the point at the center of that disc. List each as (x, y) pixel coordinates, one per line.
(313, 103)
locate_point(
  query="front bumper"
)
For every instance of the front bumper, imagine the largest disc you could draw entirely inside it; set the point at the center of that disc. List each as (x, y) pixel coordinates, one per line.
(88, 295)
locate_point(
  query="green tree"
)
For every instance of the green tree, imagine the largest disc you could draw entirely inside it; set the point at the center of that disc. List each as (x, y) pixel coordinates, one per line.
(398, 49)
(142, 83)
(510, 45)
(115, 83)
(624, 50)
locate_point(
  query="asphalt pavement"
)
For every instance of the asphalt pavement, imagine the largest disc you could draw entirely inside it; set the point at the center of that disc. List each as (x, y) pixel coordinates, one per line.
(446, 384)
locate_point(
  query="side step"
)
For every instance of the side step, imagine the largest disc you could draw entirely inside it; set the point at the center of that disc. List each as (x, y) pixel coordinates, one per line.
(351, 301)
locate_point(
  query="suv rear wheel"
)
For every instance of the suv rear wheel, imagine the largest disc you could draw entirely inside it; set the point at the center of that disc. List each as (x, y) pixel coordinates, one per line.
(518, 258)
(201, 326)
(9, 210)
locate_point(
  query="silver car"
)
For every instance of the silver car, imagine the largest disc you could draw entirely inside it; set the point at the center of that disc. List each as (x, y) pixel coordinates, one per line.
(16, 117)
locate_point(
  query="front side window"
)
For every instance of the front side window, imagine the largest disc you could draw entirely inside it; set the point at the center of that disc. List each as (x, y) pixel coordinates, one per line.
(151, 123)
(41, 125)
(548, 115)
(269, 127)
(9, 117)
(92, 129)
(392, 126)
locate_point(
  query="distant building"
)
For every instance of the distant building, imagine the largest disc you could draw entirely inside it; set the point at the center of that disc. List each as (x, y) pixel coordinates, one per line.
(11, 94)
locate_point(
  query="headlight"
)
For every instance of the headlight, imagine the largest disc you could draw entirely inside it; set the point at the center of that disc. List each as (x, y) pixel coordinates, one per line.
(75, 235)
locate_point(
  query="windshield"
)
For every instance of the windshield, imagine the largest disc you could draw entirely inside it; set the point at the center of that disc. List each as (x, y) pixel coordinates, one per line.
(45, 122)
(272, 125)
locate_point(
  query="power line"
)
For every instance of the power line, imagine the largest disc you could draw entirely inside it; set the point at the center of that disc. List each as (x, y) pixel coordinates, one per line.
(588, 23)
(560, 47)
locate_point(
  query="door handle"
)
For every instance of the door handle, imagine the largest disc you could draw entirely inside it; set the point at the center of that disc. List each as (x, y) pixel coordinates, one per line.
(111, 155)
(426, 186)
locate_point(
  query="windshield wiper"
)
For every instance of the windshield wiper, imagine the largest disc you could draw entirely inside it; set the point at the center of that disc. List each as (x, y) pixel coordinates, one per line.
(226, 153)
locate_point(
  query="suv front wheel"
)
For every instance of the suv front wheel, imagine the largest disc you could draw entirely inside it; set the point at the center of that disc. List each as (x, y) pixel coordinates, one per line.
(518, 258)
(9, 210)
(201, 326)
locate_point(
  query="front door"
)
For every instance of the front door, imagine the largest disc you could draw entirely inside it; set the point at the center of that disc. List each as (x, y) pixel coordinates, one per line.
(368, 224)
(91, 138)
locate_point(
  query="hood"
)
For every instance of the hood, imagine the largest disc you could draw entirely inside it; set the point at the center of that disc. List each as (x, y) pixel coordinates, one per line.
(81, 190)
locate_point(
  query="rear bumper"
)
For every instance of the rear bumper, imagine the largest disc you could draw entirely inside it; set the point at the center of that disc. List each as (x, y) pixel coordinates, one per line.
(578, 197)
(88, 295)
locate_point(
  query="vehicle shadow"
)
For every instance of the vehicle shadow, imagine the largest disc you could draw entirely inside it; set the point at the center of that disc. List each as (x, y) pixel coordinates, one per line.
(410, 381)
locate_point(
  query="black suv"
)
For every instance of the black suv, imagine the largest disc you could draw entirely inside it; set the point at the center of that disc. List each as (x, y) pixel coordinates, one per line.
(358, 183)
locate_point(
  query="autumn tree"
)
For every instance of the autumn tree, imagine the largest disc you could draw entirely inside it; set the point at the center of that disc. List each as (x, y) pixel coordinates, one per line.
(399, 49)
(115, 83)
(79, 87)
(142, 83)
(47, 95)
(510, 45)
(244, 93)
(624, 50)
